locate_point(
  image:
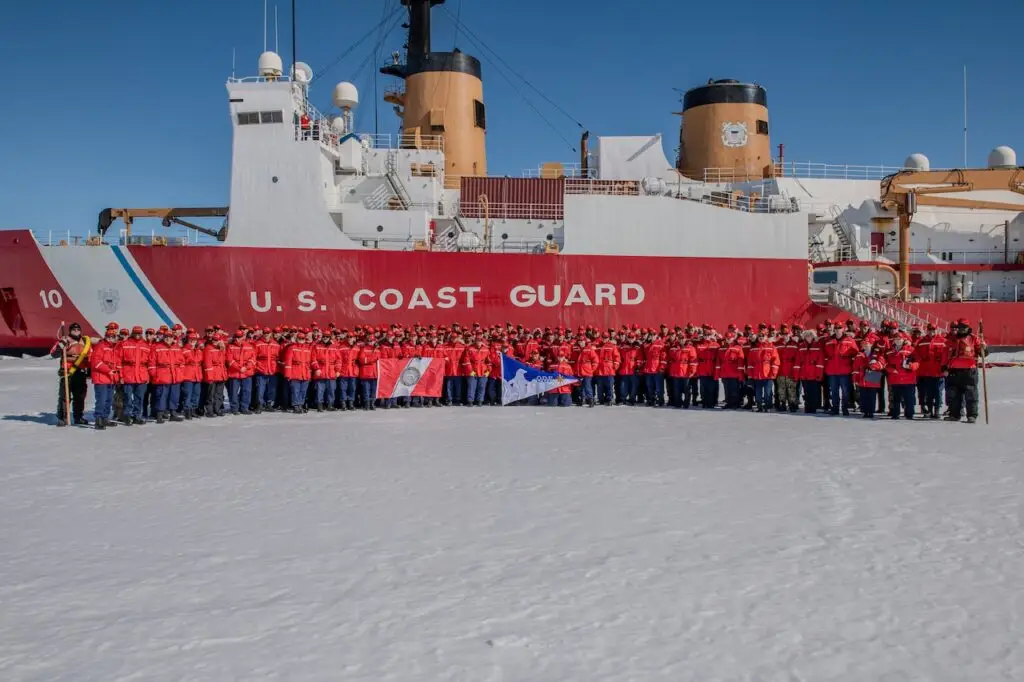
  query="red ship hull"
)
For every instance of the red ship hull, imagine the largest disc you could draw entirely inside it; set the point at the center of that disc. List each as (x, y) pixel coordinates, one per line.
(199, 286)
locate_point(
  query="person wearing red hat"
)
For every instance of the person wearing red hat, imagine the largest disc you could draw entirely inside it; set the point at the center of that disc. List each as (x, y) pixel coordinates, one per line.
(628, 373)
(105, 371)
(839, 353)
(476, 367)
(762, 369)
(367, 362)
(868, 368)
(297, 368)
(348, 371)
(931, 354)
(215, 373)
(901, 368)
(787, 384)
(608, 360)
(707, 354)
(268, 355)
(810, 369)
(586, 364)
(133, 354)
(325, 372)
(240, 359)
(730, 367)
(192, 375)
(453, 379)
(654, 364)
(73, 349)
(166, 368)
(966, 351)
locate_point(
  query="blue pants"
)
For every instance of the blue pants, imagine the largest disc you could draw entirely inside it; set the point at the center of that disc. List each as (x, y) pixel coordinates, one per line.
(369, 390)
(190, 391)
(346, 389)
(166, 396)
(902, 397)
(494, 389)
(266, 389)
(299, 388)
(868, 397)
(764, 392)
(839, 384)
(240, 394)
(559, 399)
(678, 392)
(627, 387)
(709, 391)
(812, 395)
(104, 400)
(324, 392)
(134, 397)
(603, 384)
(733, 392)
(655, 388)
(587, 384)
(929, 393)
(453, 389)
(475, 389)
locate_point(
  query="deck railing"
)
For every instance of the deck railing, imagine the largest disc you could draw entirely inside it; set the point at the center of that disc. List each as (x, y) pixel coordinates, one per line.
(802, 169)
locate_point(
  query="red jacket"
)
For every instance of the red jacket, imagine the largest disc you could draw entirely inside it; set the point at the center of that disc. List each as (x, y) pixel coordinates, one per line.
(133, 355)
(763, 361)
(863, 364)
(476, 361)
(629, 358)
(525, 349)
(839, 354)
(900, 366)
(166, 365)
(586, 361)
(192, 364)
(348, 368)
(682, 361)
(104, 363)
(324, 362)
(268, 355)
(655, 360)
(240, 358)
(787, 358)
(931, 354)
(964, 352)
(731, 362)
(608, 359)
(562, 368)
(213, 363)
(707, 358)
(367, 361)
(453, 358)
(298, 360)
(810, 362)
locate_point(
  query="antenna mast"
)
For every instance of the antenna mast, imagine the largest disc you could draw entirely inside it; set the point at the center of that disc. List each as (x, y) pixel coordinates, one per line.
(275, 28)
(965, 116)
(294, 60)
(264, 25)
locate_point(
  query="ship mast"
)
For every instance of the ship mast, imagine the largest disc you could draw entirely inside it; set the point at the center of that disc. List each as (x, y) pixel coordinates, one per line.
(442, 103)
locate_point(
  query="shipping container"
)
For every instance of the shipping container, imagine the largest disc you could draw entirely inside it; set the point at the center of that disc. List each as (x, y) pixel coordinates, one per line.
(513, 198)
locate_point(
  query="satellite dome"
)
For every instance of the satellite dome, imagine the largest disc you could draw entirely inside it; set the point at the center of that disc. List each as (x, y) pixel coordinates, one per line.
(346, 96)
(338, 124)
(270, 65)
(301, 72)
(917, 161)
(1002, 157)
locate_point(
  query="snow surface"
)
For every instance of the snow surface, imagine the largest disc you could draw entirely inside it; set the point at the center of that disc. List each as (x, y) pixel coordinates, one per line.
(510, 544)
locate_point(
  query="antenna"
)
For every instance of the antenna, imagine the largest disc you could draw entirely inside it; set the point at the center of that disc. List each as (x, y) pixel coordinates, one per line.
(275, 28)
(232, 62)
(965, 116)
(294, 60)
(264, 25)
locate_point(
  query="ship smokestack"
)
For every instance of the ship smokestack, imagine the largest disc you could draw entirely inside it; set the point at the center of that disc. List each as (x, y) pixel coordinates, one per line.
(724, 134)
(585, 154)
(443, 101)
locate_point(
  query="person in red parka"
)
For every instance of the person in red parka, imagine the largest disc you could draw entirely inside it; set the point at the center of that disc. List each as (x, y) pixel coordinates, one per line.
(367, 362)
(731, 369)
(902, 371)
(561, 396)
(105, 371)
(192, 380)
(298, 371)
(681, 366)
(868, 369)
(630, 356)
(476, 366)
(348, 371)
(707, 357)
(586, 363)
(839, 353)
(241, 361)
(966, 351)
(268, 357)
(762, 369)
(654, 366)
(453, 376)
(788, 382)
(133, 354)
(608, 363)
(215, 373)
(325, 372)
(166, 368)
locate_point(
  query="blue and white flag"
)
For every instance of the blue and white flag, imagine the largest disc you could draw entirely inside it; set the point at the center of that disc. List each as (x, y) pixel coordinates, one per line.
(520, 381)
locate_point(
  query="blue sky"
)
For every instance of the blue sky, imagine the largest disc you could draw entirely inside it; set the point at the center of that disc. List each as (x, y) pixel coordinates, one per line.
(122, 102)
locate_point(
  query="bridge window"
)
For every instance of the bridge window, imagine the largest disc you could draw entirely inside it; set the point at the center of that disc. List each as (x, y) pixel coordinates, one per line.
(479, 114)
(825, 277)
(271, 117)
(248, 118)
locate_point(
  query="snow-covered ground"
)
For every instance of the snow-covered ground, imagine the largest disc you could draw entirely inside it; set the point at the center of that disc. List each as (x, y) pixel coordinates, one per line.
(510, 544)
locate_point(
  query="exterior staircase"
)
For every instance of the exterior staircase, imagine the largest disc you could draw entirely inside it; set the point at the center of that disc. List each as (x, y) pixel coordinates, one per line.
(847, 249)
(401, 200)
(869, 305)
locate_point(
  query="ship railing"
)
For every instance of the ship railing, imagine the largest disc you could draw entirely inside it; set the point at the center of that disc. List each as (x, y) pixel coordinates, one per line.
(259, 79)
(403, 141)
(995, 256)
(626, 188)
(188, 237)
(510, 211)
(563, 170)
(802, 169)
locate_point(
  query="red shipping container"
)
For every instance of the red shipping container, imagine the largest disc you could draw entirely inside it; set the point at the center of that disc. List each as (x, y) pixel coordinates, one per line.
(516, 198)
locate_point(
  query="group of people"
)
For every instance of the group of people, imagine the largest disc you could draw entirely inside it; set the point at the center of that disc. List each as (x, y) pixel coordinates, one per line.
(176, 374)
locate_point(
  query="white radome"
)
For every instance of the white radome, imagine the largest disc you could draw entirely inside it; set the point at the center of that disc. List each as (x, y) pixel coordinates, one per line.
(1002, 157)
(301, 72)
(917, 161)
(270, 65)
(338, 124)
(346, 96)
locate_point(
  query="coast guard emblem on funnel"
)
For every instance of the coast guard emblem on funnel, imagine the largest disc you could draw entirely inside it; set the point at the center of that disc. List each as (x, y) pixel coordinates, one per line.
(734, 134)
(110, 300)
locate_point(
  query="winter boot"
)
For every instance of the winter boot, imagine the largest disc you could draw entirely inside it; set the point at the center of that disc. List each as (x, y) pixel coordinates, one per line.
(159, 417)
(61, 422)
(297, 410)
(81, 421)
(350, 405)
(320, 407)
(108, 423)
(972, 420)
(127, 421)
(99, 424)
(175, 417)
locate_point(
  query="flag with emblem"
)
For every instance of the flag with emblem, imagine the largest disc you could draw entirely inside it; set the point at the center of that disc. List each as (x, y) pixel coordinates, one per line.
(416, 377)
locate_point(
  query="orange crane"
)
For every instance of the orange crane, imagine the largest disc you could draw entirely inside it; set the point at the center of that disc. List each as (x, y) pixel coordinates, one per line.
(167, 217)
(906, 190)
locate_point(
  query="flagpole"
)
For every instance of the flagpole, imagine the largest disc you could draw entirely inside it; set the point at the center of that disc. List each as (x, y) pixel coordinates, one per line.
(965, 116)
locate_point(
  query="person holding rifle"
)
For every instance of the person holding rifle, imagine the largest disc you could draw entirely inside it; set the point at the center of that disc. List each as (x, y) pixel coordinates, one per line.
(73, 349)
(965, 351)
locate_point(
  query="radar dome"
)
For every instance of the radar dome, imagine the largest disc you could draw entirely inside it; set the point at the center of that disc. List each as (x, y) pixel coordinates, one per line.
(1002, 157)
(917, 162)
(270, 65)
(301, 72)
(338, 124)
(346, 96)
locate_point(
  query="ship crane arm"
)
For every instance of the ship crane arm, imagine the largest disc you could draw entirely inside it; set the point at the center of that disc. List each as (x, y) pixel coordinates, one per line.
(167, 216)
(906, 190)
